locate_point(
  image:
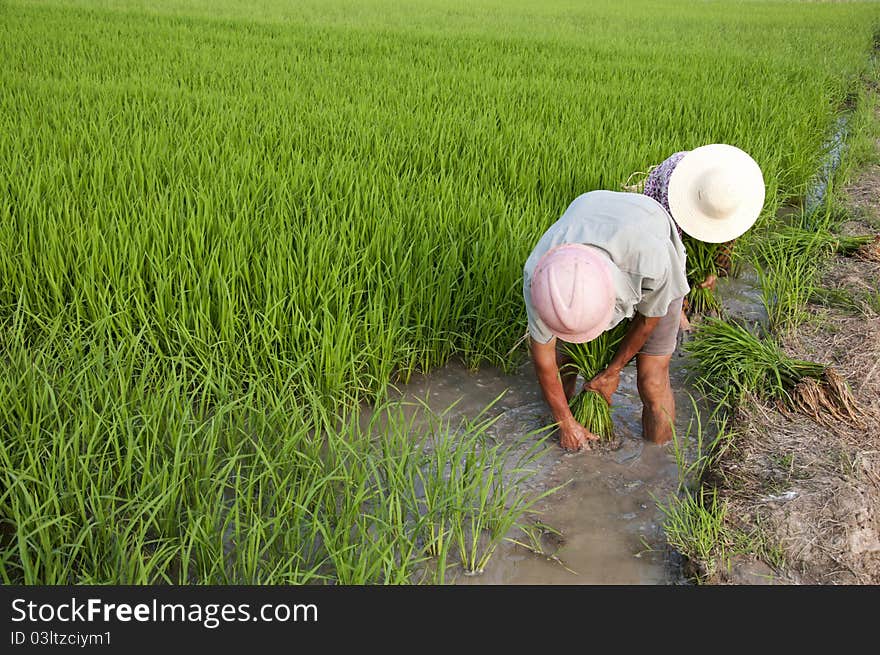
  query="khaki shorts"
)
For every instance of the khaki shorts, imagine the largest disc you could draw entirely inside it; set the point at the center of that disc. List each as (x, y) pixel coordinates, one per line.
(662, 341)
(664, 338)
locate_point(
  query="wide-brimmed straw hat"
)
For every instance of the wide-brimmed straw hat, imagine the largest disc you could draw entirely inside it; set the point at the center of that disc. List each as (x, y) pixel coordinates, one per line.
(573, 292)
(716, 193)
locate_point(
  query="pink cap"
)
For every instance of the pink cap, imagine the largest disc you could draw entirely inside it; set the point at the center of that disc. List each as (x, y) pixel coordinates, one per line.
(573, 293)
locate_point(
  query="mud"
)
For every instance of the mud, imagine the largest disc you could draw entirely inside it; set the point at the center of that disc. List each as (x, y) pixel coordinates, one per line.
(741, 297)
(605, 525)
(810, 492)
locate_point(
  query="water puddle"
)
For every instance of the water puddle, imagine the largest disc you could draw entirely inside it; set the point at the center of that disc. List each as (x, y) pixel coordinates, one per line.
(609, 525)
(610, 529)
(834, 148)
(741, 297)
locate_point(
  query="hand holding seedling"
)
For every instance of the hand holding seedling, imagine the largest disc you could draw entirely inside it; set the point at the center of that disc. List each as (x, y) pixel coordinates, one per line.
(574, 436)
(605, 383)
(709, 282)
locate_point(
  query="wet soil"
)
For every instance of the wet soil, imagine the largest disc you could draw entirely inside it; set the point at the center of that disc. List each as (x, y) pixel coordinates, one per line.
(810, 493)
(604, 525)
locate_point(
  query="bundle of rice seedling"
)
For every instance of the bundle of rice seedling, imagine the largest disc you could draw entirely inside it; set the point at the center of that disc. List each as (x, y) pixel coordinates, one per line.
(701, 263)
(588, 407)
(739, 363)
(799, 242)
(849, 245)
(635, 183)
(828, 400)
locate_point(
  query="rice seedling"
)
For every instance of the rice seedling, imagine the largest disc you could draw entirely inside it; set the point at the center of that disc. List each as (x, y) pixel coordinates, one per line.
(799, 243)
(735, 363)
(788, 265)
(701, 263)
(591, 358)
(870, 251)
(507, 504)
(843, 299)
(695, 452)
(694, 526)
(788, 259)
(533, 540)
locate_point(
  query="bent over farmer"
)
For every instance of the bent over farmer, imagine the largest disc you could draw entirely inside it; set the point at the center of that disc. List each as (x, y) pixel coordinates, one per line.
(615, 255)
(610, 256)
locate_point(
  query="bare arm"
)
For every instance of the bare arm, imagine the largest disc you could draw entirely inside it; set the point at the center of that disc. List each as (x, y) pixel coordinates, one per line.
(572, 435)
(640, 328)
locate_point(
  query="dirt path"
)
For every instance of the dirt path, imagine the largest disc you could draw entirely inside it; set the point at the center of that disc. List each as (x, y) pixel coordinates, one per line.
(809, 494)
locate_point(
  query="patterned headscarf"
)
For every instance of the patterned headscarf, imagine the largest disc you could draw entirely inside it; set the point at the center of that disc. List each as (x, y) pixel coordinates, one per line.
(657, 184)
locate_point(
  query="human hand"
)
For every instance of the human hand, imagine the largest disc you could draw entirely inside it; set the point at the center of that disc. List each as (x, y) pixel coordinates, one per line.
(605, 384)
(574, 436)
(709, 282)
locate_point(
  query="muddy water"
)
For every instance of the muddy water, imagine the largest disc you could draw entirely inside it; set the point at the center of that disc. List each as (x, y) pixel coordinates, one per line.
(834, 148)
(609, 523)
(741, 297)
(607, 516)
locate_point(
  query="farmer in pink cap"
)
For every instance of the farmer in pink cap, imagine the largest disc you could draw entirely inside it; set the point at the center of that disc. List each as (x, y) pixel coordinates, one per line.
(619, 255)
(610, 256)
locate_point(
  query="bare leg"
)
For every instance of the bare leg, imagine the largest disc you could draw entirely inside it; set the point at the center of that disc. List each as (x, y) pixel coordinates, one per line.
(655, 390)
(683, 323)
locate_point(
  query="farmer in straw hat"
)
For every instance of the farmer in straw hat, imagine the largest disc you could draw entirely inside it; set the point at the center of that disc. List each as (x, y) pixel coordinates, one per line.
(656, 185)
(615, 255)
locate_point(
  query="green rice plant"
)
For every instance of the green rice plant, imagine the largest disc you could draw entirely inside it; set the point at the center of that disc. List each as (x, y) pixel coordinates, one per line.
(757, 542)
(787, 263)
(734, 363)
(590, 358)
(843, 299)
(732, 359)
(848, 244)
(701, 263)
(213, 252)
(489, 503)
(232, 495)
(798, 242)
(590, 410)
(695, 452)
(533, 541)
(694, 523)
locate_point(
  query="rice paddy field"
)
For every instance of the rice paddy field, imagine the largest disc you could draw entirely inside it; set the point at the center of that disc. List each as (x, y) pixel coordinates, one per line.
(226, 226)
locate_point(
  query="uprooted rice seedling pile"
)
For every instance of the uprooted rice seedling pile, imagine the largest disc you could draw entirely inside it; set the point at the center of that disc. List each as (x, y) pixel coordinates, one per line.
(220, 225)
(735, 363)
(869, 252)
(798, 242)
